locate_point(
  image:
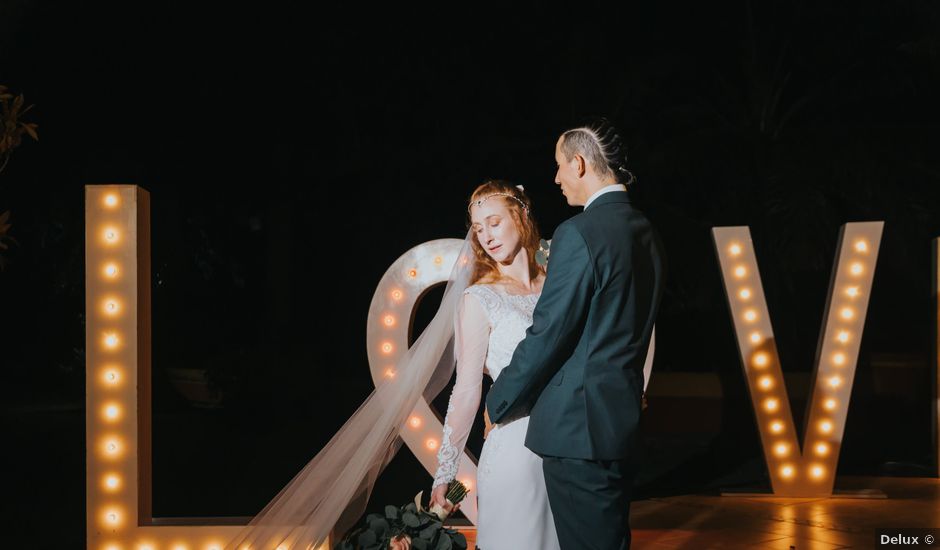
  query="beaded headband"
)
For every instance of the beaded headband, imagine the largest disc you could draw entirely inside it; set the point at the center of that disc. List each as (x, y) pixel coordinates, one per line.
(479, 202)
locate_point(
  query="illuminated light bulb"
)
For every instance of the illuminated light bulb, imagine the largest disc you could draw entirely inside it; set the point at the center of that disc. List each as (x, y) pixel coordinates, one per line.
(113, 517)
(852, 291)
(787, 471)
(111, 340)
(110, 200)
(110, 377)
(180, 547)
(734, 249)
(216, 547)
(861, 246)
(781, 449)
(467, 483)
(755, 337)
(761, 359)
(389, 373)
(412, 273)
(744, 294)
(825, 426)
(847, 313)
(112, 411)
(438, 260)
(843, 337)
(415, 422)
(740, 272)
(112, 547)
(387, 348)
(817, 471)
(397, 295)
(111, 271)
(838, 359)
(771, 404)
(431, 444)
(856, 269)
(835, 381)
(112, 482)
(776, 427)
(111, 307)
(389, 320)
(111, 235)
(766, 382)
(822, 449)
(829, 404)
(145, 547)
(750, 315)
(112, 447)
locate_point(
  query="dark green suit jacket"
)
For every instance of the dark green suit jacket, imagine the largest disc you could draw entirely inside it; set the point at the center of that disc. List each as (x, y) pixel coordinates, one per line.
(579, 371)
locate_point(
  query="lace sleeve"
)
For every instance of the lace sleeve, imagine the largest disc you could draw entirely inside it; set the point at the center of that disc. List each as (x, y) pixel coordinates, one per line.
(471, 333)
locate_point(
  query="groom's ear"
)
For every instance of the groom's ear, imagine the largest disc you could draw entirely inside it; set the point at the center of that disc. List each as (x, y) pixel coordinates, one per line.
(581, 167)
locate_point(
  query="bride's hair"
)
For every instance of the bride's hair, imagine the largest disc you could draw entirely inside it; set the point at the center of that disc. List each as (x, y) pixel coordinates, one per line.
(520, 207)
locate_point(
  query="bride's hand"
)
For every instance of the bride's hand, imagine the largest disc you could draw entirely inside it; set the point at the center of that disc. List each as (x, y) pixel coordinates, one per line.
(439, 496)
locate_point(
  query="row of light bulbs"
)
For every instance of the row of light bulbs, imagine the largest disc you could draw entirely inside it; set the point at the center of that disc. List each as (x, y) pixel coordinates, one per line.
(111, 411)
(387, 348)
(761, 360)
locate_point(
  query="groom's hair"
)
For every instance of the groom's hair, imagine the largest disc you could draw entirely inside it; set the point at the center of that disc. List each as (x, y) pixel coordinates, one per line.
(599, 142)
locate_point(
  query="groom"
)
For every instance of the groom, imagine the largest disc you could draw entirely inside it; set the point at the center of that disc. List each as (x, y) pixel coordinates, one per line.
(579, 371)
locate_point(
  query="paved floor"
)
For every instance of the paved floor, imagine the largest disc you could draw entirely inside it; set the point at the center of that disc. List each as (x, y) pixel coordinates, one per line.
(712, 521)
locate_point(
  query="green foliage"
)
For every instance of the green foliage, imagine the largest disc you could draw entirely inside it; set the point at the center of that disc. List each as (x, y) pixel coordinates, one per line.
(12, 126)
(12, 130)
(425, 530)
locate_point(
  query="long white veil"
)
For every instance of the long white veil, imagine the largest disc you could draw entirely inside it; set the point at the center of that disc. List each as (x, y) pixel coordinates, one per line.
(332, 490)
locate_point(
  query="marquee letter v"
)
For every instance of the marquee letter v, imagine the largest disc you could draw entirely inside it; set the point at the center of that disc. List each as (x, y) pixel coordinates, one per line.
(808, 470)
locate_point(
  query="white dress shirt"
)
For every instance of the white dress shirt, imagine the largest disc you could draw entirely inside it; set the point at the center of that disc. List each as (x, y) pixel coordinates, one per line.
(607, 189)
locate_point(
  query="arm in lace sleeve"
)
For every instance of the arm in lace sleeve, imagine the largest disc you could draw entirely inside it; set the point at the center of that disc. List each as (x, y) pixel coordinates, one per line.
(471, 338)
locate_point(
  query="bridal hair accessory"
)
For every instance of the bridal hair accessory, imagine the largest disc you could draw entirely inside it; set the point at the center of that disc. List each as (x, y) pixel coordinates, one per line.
(479, 202)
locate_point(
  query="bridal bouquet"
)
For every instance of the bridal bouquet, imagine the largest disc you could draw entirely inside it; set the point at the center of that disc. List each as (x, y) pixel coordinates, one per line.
(408, 527)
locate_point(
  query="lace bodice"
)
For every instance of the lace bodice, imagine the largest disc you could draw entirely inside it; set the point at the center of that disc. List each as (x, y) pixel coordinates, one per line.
(490, 324)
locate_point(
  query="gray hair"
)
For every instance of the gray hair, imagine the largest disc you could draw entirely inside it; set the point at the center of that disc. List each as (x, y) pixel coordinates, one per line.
(601, 145)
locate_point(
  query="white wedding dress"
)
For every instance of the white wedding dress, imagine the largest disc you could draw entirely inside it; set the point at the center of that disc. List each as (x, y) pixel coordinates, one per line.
(512, 502)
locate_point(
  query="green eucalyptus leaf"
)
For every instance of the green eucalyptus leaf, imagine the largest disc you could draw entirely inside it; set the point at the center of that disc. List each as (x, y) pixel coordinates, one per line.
(459, 541)
(430, 531)
(367, 538)
(410, 519)
(419, 544)
(391, 512)
(380, 526)
(444, 543)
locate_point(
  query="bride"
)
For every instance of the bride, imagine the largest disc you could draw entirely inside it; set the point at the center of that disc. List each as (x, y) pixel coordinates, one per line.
(492, 318)
(487, 304)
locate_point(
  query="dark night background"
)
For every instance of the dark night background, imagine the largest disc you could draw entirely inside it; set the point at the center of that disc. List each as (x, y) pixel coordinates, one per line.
(292, 156)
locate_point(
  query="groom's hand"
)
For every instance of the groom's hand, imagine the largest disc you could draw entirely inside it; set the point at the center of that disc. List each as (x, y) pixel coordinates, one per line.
(486, 420)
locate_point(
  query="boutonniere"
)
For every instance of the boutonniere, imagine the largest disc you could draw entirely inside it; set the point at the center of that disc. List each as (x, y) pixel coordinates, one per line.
(541, 255)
